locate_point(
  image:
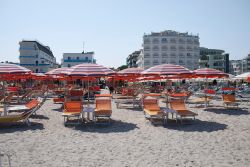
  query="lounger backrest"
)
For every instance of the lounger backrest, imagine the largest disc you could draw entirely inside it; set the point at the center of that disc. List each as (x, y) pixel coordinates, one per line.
(103, 104)
(73, 106)
(150, 104)
(177, 104)
(230, 98)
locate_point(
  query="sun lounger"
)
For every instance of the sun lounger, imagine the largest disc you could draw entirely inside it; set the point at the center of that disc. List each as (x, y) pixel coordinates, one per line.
(30, 105)
(103, 109)
(179, 106)
(72, 109)
(152, 110)
(24, 117)
(229, 100)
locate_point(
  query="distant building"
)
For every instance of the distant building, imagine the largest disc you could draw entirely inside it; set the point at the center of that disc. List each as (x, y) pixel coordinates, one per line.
(9, 62)
(238, 67)
(170, 47)
(36, 56)
(132, 59)
(71, 59)
(214, 58)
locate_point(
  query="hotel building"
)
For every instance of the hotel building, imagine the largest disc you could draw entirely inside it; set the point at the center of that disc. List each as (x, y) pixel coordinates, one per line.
(72, 59)
(36, 56)
(170, 47)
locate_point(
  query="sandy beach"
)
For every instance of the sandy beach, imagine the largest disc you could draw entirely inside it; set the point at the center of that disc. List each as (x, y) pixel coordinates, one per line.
(218, 137)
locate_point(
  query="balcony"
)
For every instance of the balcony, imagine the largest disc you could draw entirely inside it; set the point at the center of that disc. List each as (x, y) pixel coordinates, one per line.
(75, 60)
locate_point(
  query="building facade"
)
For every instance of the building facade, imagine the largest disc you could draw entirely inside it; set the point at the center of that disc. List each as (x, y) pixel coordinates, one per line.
(238, 67)
(36, 56)
(214, 58)
(72, 59)
(170, 47)
(132, 59)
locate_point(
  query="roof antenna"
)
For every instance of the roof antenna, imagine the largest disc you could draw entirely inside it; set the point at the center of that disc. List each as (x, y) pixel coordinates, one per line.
(83, 47)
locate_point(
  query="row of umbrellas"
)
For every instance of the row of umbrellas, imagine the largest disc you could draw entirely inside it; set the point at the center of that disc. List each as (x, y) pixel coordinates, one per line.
(12, 71)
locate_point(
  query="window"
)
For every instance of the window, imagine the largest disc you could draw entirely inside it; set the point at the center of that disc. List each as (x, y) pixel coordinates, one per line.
(164, 48)
(36, 63)
(155, 40)
(164, 55)
(164, 40)
(156, 55)
(69, 58)
(69, 65)
(155, 62)
(155, 48)
(164, 61)
(42, 62)
(77, 58)
(147, 48)
(147, 55)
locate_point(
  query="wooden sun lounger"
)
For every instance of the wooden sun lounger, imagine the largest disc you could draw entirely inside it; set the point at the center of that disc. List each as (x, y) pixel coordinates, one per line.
(24, 117)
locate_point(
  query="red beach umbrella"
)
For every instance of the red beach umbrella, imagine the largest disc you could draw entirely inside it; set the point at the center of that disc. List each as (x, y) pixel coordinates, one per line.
(59, 71)
(89, 71)
(209, 73)
(85, 69)
(8, 72)
(168, 69)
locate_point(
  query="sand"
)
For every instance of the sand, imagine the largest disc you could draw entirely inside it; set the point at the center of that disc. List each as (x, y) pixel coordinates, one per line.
(218, 137)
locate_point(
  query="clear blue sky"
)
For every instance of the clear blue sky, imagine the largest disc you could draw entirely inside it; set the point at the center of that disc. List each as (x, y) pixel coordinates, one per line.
(114, 28)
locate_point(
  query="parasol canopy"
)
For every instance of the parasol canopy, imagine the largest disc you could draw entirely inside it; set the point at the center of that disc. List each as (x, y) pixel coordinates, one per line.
(209, 73)
(168, 69)
(59, 71)
(243, 76)
(10, 70)
(88, 70)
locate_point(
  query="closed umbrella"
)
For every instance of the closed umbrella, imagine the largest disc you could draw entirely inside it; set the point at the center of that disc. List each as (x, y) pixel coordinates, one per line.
(9, 71)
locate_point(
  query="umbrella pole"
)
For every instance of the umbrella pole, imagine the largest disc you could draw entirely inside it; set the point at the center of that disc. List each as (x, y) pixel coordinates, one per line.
(4, 101)
(88, 92)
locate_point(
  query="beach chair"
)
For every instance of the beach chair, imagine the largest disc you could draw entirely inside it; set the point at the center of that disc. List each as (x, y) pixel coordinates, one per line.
(29, 106)
(24, 117)
(103, 109)
(72, 109)
(182, 112)
(229, 100)
(152, 110)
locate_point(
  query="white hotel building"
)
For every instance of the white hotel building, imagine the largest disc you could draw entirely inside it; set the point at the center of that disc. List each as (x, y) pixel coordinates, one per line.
(36, 56)
(72, 59)
(170, 47)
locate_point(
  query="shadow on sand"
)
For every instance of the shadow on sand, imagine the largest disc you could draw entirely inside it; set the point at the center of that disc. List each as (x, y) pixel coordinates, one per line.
(20, 127)
(229, 111)
(36, 116)
(195, 126)
(115, 127)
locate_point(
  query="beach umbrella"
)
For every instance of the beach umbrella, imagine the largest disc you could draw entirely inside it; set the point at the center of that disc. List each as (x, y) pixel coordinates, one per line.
(168, 69)
(9, 71)
(130, 72)
(209, 73)
(88, 70)
(59, 71)
(243, 76)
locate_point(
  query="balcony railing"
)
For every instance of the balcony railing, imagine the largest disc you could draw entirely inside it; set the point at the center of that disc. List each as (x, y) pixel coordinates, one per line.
(75, 60)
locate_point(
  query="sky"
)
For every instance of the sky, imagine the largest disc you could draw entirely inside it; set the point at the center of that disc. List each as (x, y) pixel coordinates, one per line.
(113, 29)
